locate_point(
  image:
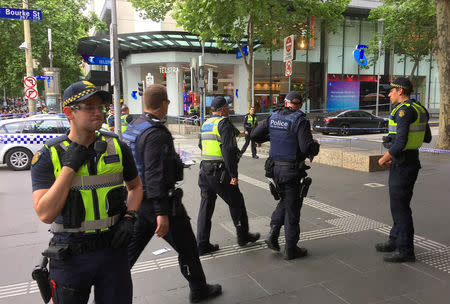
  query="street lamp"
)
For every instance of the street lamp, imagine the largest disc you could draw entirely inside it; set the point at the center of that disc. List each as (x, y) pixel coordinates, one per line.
(380, 35)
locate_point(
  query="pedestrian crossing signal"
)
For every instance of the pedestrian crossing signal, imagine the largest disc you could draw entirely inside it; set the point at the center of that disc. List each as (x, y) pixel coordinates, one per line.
(141, 88)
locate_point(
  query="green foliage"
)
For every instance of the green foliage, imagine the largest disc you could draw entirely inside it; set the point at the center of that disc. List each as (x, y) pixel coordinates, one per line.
(409, 27)
(68, 25)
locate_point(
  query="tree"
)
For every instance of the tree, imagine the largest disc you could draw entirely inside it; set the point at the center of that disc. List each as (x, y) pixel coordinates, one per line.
(68, 25)
(442, 55)
(416, 29)
(243, 22)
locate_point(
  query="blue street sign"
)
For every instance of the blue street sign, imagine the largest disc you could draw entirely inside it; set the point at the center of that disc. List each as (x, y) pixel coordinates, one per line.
(97, 60)
(48, 78)
(21, 14)
(239, 54)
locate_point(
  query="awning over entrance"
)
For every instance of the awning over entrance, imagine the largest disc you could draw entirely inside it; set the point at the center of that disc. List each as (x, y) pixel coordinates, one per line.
(146, 42)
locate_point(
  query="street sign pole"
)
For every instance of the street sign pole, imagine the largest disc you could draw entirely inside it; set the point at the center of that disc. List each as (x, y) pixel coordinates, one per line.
(28, 57)
(115, 69)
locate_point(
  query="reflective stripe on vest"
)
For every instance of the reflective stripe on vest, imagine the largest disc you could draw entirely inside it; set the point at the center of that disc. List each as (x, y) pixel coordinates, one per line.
(109, 176)
(417, 128)
(211, 139)
(251, 120)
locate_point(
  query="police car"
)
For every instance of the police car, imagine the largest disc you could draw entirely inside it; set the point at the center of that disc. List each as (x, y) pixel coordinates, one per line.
(21, 138)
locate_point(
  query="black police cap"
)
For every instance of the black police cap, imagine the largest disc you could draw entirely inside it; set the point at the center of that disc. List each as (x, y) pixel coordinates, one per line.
(293, 95)
(218, 102)
(401, 83)
(82, 90)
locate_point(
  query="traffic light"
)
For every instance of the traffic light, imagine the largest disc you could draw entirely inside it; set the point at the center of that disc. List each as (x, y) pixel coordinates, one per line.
(188, 80)
(141, 87)
(212, 81)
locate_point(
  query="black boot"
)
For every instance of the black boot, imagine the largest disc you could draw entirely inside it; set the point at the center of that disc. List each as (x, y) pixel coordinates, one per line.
(272, 238)
(208, 248)
(248, 238)
(399, 257)
(385, 247)
(295, 252)
(207, 292)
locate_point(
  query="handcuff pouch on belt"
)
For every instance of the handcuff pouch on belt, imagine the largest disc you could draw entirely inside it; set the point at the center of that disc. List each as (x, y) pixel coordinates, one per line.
(175, 199)
(115, 201)
(268, 167)
(57, 251)
(73, 212)
(216, 169)
(41, 275)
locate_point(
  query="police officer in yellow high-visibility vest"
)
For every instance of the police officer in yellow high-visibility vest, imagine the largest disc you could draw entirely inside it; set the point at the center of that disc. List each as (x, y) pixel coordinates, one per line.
(125, 118)
(219, 176)
(408, 129)
(250, 122)
(79, 182)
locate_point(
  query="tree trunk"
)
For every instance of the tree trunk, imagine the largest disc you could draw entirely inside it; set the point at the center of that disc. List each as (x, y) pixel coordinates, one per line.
(416, 63)
(442, 55)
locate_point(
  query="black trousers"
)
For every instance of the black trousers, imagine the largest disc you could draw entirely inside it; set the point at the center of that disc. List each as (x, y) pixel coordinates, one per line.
(105, 269)
(180, 237)
(210, 188)
(402, 178)
(247, 141)
(287, 212)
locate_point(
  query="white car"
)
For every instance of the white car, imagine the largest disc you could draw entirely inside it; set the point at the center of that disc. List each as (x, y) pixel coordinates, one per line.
(21, 138)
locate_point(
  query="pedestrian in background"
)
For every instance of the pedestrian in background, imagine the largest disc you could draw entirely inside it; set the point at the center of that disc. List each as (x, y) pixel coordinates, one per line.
(408, 129)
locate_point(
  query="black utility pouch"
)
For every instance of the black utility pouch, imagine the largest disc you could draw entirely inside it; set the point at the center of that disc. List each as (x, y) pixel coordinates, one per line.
(115, 200)
(73, 212)
(207, 167)
(57, 251)
(176, 196)
(268, 167)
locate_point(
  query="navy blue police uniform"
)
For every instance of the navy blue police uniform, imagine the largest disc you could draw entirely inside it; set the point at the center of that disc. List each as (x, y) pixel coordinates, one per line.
(92, 261)
(402, 177)
(160, 168)
(291, 142)
(214, 179)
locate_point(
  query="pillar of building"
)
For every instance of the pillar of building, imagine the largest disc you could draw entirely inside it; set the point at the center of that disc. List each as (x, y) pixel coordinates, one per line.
(241, 85)
(132, 75)
(174, 84)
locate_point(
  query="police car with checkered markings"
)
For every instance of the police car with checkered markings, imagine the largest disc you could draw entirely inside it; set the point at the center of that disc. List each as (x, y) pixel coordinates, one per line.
(21, 138)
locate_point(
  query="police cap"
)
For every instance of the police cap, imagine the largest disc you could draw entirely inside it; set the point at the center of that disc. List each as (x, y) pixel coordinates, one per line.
(293, 95)
(218, 103)
(82, 90)
(401, 83)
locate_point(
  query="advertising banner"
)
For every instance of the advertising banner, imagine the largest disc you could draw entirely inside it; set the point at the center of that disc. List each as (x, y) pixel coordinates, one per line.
(342, 95)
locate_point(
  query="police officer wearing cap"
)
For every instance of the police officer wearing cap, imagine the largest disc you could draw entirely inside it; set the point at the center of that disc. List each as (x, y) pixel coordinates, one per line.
(408, 129)
(219, 176)
(78, 187)
(162, 212)
(291, 142)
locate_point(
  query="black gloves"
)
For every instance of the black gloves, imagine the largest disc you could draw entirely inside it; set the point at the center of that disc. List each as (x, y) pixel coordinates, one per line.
(75, 156)
(123, 232)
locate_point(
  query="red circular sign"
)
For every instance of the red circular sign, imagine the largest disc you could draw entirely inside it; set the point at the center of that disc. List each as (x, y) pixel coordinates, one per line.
(30, 82)
(31, 93)
(288, 44)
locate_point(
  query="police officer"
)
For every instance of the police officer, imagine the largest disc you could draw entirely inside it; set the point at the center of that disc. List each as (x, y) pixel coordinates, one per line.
(110, 119)
(291, 143)
(162, 212)
(125, 118)
(219, 176)
(408, 129)
(78, 187)
(250, 122)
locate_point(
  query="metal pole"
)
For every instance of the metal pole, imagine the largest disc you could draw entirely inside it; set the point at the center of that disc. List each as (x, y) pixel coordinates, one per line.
(253, 79)
(50, 53)
(202, 91)
(28, 56)
(115, 79)
(380, 34)
(289, 83)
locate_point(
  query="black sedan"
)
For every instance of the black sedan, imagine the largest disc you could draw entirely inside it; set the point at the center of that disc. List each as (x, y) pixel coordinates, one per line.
(345, 122)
